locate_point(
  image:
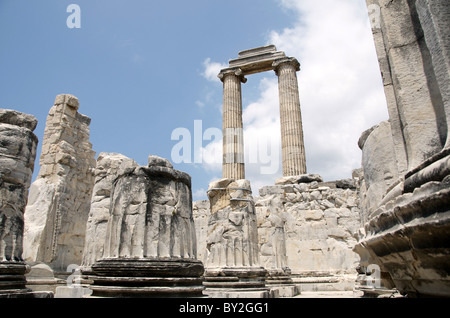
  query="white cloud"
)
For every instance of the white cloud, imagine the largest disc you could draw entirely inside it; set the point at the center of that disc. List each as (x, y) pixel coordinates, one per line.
(199, 194)
(262, 136)
(212, 156)
(212, 69)
(341, 92)
(262, 139)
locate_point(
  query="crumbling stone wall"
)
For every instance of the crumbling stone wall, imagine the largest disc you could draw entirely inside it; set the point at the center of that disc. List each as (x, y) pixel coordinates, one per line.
(321, 222)
(59, 200)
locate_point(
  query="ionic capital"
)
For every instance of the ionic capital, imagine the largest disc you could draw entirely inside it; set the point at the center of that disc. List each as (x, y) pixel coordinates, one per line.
(232, 71)
(286, 61)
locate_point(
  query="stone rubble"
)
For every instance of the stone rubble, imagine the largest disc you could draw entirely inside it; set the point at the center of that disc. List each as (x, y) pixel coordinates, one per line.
(321, 223)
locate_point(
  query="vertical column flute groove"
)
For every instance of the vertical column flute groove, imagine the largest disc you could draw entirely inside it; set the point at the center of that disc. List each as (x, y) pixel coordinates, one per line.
(233, 139)
(293, 150)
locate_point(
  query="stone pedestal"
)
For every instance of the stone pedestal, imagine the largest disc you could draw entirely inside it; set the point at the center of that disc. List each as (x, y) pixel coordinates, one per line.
(232, 269)
(42, 278)
(12, 279)
(407, 234)
(236, 282)
(147, 277)
(13, 282)
(280, 282)
(150, 242)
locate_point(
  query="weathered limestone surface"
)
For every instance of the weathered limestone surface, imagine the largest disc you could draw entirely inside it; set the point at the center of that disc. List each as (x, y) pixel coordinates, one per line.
(257, 60)
(232, 267)
(420, 109)
(254, 61)
(319, 223)
(109, 167)
(406, 217)
(434, 18)
(149, 246)
(393, 110)
(17, 156)
(233, 138)
(380, 169)
(303, 178)
(229, 243)
(292, 145)
(59, 200)
(151, 215)
(275, 253)
(201, 211)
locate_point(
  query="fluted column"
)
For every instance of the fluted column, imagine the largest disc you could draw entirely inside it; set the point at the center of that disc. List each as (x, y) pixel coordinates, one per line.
(435, 22)
(293, 150)
(233, 138)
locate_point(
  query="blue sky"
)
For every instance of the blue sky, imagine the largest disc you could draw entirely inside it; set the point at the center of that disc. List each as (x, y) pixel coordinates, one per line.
(141, 69)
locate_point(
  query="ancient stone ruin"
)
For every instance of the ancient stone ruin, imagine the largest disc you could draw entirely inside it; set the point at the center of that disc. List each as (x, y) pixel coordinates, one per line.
(251, 62)
(108, 227)
(405, 189)
(148, 246)
(232, 267)
(59, 200)
(232, 264)
(17, 155)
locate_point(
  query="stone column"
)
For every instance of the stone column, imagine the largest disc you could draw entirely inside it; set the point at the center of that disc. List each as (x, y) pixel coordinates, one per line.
(150, 247)
(17, 156)
(293, 150)
(395, 118)
(232, 267)
(416, 91)
(434, 17)
(233, 138)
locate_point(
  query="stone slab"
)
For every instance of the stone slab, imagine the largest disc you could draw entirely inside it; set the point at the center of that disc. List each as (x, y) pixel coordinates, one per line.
(72, 292)
(256, 60)
(12, 117)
